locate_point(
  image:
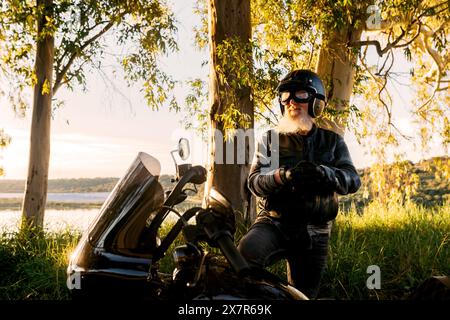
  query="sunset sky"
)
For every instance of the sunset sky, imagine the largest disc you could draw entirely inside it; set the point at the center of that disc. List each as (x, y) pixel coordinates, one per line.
(99, 133)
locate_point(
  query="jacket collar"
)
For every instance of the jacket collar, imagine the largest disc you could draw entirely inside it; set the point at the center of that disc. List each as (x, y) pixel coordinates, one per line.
(311, 132)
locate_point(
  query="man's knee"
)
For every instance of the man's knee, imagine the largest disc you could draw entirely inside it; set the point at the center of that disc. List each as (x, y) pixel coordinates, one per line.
(248, 247)
(261, 245)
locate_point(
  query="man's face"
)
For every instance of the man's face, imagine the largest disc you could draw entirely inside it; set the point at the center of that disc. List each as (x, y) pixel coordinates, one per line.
(296, 117)
(295, 109)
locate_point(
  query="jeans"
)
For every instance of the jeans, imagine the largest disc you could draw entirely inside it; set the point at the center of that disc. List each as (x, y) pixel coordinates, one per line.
(305, 252)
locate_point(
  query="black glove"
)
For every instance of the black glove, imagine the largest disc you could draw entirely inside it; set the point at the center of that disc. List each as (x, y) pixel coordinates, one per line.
(306, 172)
(306, 175)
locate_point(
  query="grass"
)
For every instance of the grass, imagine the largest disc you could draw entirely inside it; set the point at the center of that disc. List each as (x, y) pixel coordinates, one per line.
(34, 267)
(409, 243)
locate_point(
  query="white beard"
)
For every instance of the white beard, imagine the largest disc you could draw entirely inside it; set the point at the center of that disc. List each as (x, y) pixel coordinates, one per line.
(302, 123)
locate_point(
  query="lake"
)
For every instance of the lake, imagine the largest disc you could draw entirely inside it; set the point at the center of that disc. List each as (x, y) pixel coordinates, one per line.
(58, 220)
(54, 220)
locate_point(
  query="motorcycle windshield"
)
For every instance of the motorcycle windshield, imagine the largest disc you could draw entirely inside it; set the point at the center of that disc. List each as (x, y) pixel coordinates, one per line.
(123, 217)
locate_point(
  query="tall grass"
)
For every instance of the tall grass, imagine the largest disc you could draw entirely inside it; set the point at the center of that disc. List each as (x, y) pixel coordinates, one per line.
(409, 243)
(34, 266)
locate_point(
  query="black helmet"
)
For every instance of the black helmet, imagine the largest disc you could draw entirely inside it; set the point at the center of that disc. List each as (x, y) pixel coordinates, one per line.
(308, 81)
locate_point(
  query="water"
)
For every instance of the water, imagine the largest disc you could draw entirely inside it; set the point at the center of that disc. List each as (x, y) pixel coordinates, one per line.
(58, 220)
(54, 220)
(78, 197)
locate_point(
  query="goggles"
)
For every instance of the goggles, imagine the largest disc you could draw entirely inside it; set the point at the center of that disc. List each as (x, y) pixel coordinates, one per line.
(299, 96)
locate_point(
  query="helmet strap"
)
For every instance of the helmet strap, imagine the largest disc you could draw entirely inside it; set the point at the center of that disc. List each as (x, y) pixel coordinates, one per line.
(311, 108)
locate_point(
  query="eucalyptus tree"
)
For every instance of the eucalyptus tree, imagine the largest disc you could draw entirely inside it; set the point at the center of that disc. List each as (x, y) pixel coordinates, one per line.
(230, 105)
(332, 38)
(53, 43)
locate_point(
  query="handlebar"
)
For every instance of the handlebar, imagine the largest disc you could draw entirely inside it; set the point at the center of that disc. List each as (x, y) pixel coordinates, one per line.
(233, 256)
(197, 175)
(220, 235)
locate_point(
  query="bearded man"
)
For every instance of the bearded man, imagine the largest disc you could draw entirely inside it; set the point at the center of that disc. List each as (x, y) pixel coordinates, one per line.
(298, 201)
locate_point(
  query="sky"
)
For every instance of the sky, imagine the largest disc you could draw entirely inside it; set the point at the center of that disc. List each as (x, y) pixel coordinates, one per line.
(98, 133)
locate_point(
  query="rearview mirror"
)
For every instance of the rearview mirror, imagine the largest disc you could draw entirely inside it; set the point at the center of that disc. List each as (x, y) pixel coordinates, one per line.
(183, 148)
(183, 153)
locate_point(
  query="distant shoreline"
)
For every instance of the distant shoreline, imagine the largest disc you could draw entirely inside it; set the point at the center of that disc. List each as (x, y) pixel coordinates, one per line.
(16, 204)
(80, 185)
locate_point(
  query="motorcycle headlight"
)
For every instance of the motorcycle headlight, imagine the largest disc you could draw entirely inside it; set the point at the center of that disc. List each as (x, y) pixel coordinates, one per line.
(219, 203)
(185, 254)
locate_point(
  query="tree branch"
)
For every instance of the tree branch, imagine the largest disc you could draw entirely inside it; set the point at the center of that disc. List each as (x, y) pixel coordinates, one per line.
(386, 107)
(264, 117)
(382, 88)
(61, 74)
(425, 11)
(427, 34)
(395, 44)
(266, 106)
(438, 60)
(377, 44)
(69, 79)
(107, 80)
(419, 27)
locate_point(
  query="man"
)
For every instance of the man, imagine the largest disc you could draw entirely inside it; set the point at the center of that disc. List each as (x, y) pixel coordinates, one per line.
(298, 200)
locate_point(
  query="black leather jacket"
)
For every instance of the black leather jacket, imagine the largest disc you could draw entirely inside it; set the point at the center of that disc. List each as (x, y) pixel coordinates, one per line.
(317, 206)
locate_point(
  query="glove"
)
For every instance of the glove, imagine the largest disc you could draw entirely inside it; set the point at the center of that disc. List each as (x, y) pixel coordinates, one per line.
(308, 175)
(306, 172)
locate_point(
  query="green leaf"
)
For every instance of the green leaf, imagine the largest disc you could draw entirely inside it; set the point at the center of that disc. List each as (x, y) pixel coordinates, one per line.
(46, 87)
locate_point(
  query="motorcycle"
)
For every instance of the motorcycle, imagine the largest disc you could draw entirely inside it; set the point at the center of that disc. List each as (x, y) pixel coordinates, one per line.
(119, 255)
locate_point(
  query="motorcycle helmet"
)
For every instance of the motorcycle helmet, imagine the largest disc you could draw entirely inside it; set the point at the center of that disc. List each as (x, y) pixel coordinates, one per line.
(293, 85)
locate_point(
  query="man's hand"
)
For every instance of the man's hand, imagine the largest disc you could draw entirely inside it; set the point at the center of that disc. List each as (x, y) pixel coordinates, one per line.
(307, 174)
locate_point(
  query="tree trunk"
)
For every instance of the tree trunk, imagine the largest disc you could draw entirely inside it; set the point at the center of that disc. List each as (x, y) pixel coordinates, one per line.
(229, 19)
(36, 187)
(336, 68)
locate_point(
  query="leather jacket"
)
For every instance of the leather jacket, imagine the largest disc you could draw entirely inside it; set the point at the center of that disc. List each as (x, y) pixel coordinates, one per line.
(311, 206)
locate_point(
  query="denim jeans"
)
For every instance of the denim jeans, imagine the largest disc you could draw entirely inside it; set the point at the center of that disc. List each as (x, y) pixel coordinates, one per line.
(305, 252)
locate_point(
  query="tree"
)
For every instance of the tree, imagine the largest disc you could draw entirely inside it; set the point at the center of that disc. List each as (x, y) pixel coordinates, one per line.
(67, 37)
(333, 38)
(328, 36)
(230, 105)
